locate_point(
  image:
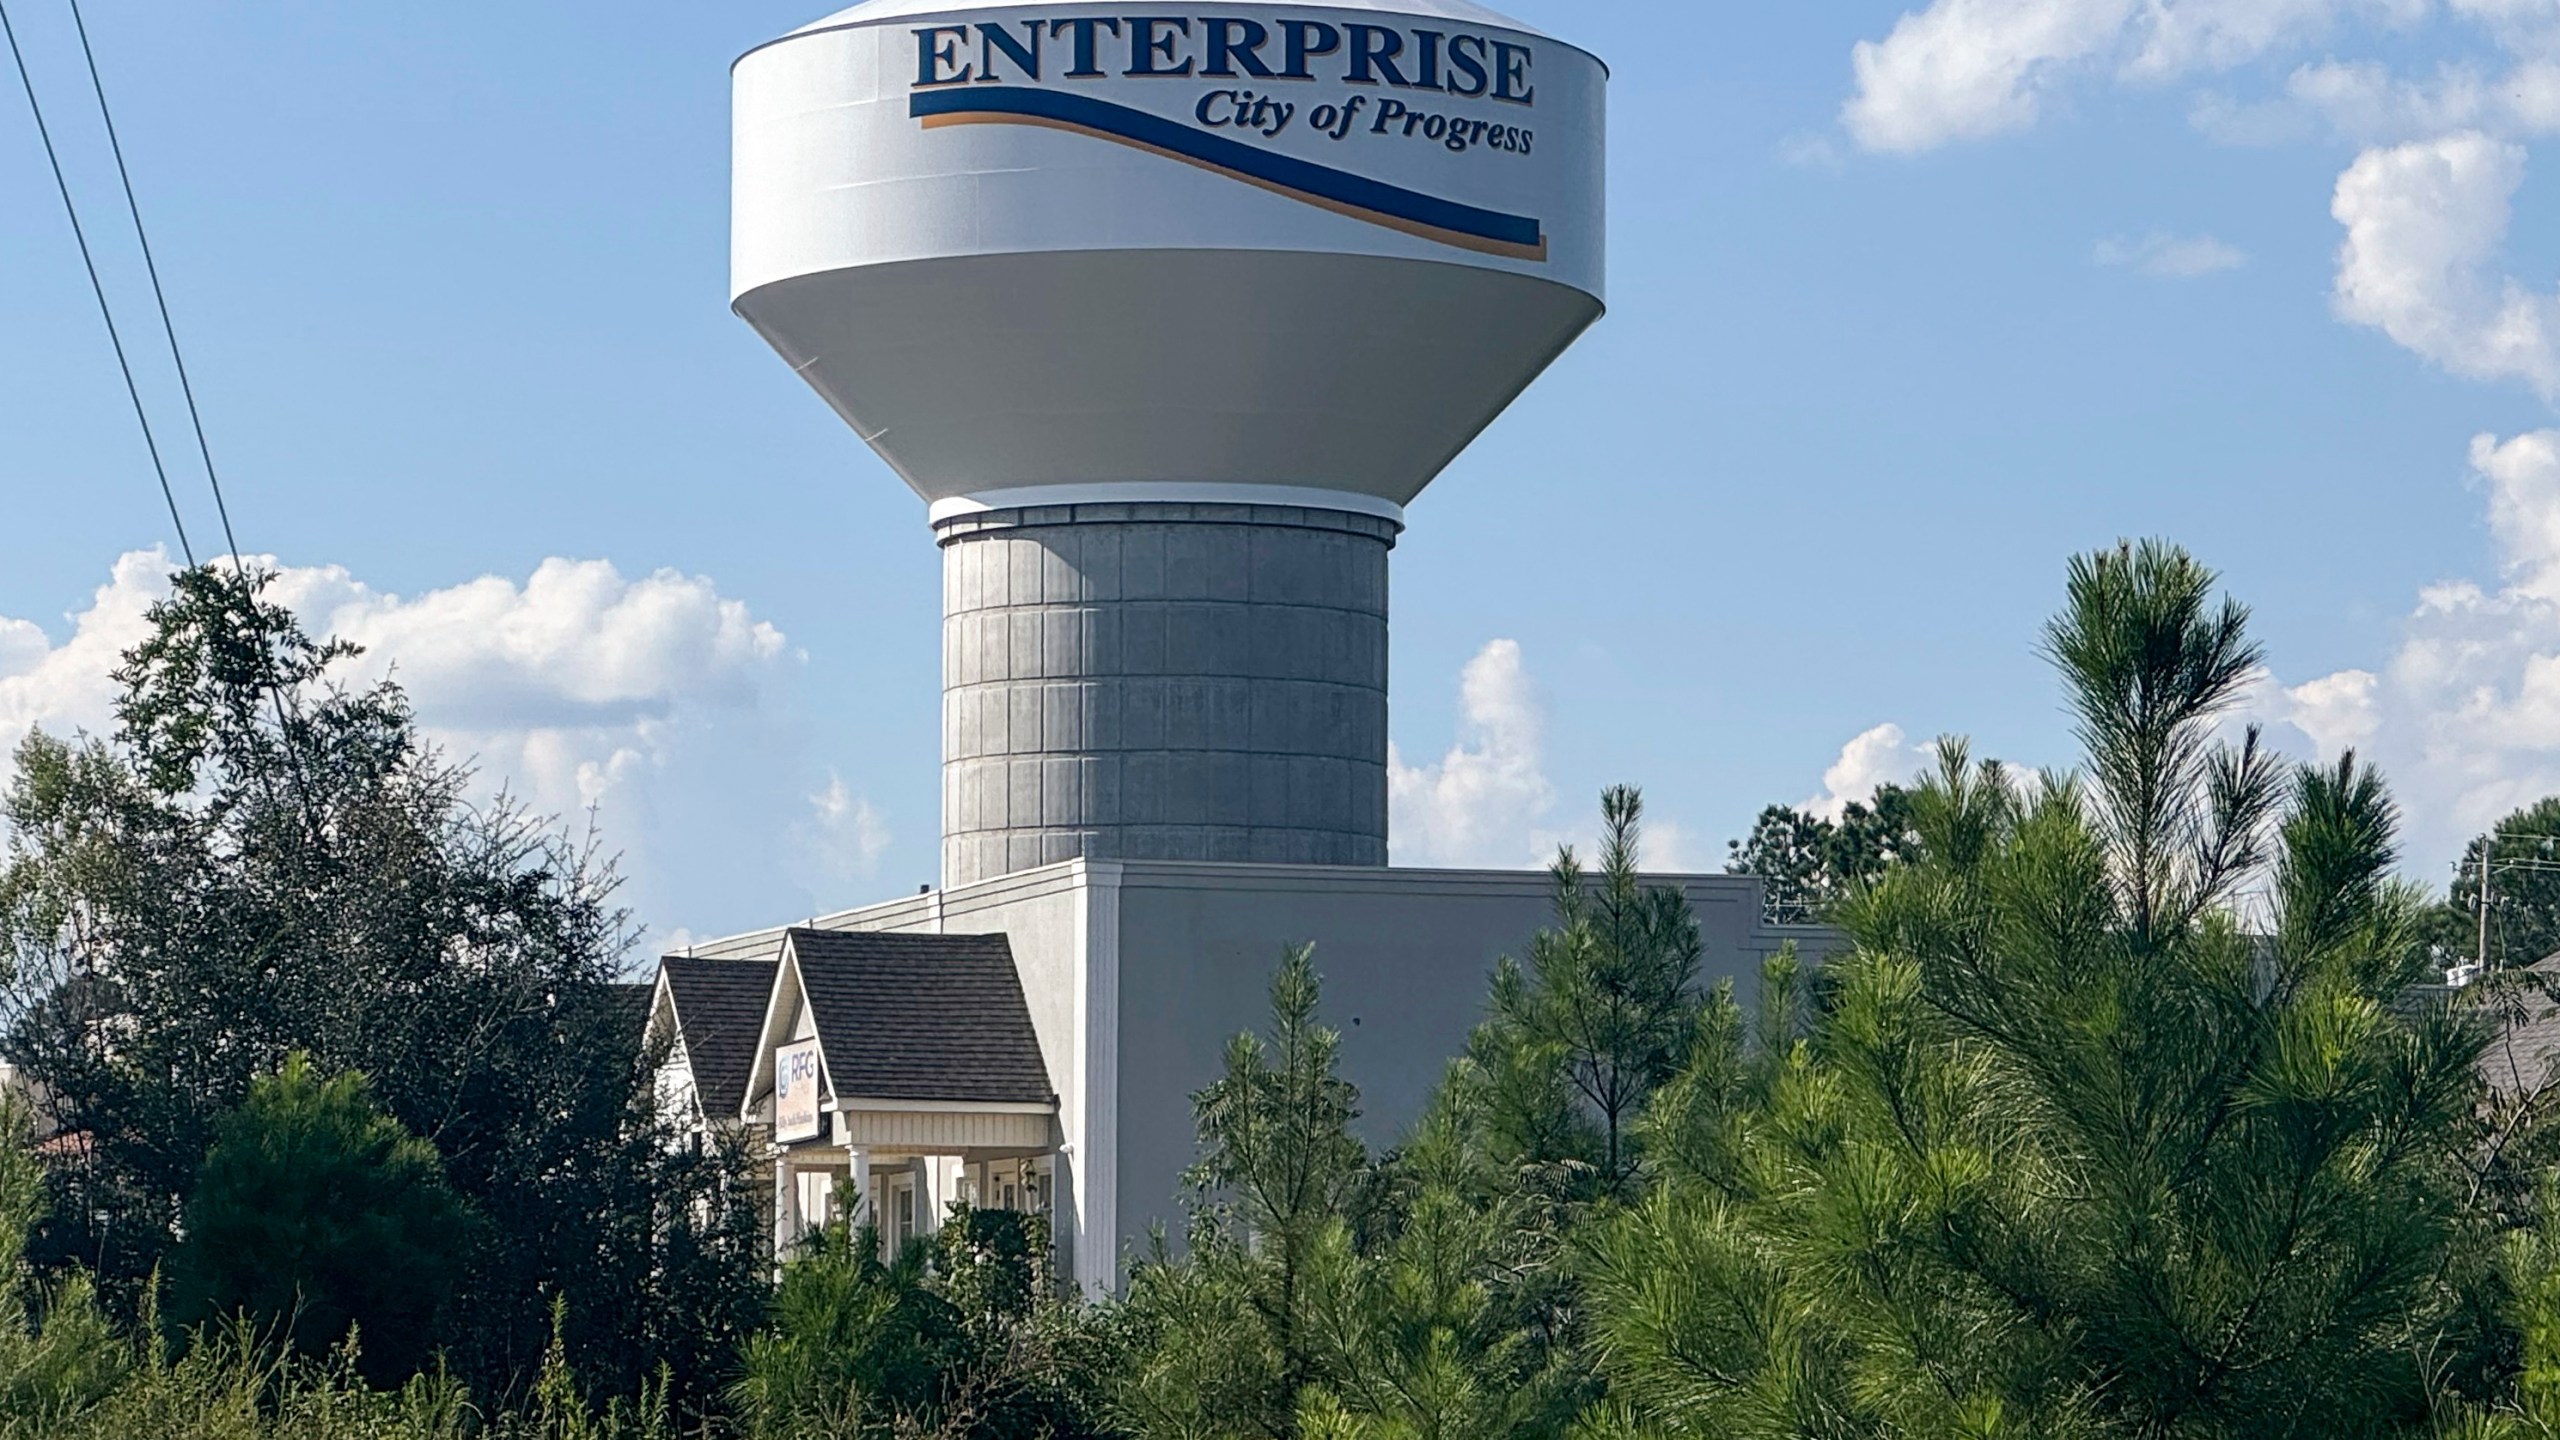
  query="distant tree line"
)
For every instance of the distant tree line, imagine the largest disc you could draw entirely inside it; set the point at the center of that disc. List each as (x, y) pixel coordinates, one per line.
(2134, 1107)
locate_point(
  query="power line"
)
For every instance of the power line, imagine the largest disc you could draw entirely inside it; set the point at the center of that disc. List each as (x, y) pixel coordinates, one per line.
(158, 295)
(96, 287)
(177, 358)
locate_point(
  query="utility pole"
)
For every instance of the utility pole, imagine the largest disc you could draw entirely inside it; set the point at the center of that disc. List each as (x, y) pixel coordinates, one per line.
(2484, 900)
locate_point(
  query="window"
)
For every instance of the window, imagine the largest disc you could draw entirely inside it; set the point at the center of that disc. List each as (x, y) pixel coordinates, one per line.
(899, 1193)
(817, 1197)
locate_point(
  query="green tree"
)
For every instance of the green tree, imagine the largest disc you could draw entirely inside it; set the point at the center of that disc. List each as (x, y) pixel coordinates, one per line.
(853, 1343)
(1452, 1320)
(1325, 1293)
(964, 1334)
(1808, 864)
(58, 1356)
(1579, 1038)
(2066, 1148)
(315, 1213)
(2524, 891)
(262, 860)
(1278, 1167)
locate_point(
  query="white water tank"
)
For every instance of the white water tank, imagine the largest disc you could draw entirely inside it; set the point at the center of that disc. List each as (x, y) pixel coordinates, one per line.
(1167, 313)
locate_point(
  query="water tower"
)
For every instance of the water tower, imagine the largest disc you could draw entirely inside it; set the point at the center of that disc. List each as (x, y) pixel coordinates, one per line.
(1166, 314)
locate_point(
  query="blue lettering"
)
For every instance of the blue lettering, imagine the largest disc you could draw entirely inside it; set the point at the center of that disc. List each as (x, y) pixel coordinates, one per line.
(1463, 64)
(935, 54)
(1511, 74)
(1146, 46)
(1375, 46)
(1226, 51)
(1429, 76)
(1298, 44)
(992, 38)
(1082, 66)
(1209, 101)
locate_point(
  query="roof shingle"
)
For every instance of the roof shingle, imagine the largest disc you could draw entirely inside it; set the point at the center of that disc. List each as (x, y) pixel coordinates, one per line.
(720, 1011)
(922, 1017)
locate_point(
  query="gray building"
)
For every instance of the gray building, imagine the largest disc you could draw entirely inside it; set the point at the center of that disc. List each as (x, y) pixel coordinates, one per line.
(1131, 976)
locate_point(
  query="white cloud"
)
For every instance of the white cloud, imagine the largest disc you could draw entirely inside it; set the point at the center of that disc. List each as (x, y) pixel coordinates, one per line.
(569, 686)
(1483, 802)
(654, 700)
(2424, 221)
(70, 686)
(1669, 848)
(2464, 718)
(846, 834)
(1882, 755)
(2366, 102)
(2518, 21)
(1487, 802)
(1966, 69)
(2170, 257)
(1810, 150)
(2335, 712)
(2182, 36)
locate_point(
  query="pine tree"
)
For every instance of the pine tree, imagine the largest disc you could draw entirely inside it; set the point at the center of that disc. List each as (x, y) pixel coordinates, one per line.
(314, 1213)
(1807, 864)
(1579, 1038)
(2067, 1146)
(1278, 1166)
(1323, 1293)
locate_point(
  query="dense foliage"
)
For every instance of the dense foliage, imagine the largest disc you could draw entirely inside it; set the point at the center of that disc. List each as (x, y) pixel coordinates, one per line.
(261, 861)
(316, 1215)
(1807, 864)
(963, 1334)
(2127, 1108)
(2070, 1150)
(2522, 926)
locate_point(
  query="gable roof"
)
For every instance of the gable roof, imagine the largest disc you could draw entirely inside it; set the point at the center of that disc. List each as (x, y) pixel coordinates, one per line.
(921, 1017)
(720, 1015)
(628, 1003)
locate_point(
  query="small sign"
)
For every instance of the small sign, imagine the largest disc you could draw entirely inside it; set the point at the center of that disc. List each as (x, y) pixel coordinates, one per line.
(795, 1091)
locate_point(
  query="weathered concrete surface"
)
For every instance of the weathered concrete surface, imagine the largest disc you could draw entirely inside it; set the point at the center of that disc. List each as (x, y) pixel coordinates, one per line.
(1163, 682)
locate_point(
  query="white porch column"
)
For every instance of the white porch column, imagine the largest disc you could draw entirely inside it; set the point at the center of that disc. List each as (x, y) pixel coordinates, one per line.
(786, 1206)
(858, 1208)
(929, 1193)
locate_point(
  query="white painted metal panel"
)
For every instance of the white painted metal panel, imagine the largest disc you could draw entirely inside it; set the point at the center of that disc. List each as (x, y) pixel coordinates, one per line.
(1208, 247)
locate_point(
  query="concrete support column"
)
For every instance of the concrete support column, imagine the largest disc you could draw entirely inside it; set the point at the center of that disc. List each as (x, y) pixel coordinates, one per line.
(1164, 682)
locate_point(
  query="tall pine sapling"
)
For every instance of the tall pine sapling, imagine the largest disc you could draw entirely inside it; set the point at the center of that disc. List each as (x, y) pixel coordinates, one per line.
(1601, 1015)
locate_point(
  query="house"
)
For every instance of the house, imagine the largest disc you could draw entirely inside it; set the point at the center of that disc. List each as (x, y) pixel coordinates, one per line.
(708, 1015)
(882, 1077)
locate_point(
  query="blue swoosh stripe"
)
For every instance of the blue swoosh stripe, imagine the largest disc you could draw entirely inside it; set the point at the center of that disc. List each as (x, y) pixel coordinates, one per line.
(1285, 171)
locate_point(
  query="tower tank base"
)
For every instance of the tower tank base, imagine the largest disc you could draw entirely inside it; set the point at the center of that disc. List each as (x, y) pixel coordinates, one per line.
(1163, 681)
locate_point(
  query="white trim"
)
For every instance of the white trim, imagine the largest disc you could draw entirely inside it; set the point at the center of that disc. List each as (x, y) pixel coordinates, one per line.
(786, 967)
(859, 1104)
(1096, 1158)
(1305, 497)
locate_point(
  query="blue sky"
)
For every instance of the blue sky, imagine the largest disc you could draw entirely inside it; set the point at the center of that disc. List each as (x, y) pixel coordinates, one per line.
(1892, 331)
